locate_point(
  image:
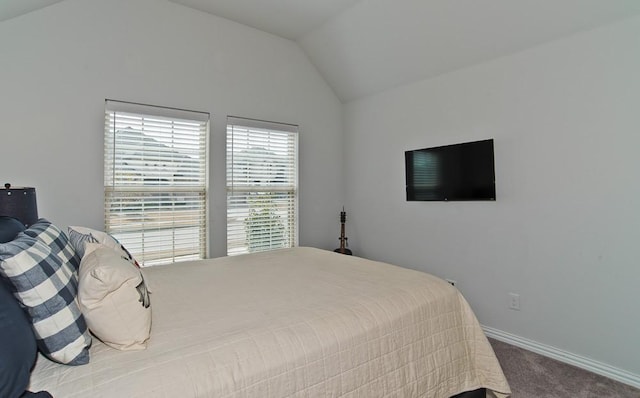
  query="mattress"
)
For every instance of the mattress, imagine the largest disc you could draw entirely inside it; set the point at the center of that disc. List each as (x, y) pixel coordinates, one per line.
(298, 322)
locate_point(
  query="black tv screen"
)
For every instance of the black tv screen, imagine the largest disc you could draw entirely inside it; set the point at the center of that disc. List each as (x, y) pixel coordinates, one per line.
(452, 172)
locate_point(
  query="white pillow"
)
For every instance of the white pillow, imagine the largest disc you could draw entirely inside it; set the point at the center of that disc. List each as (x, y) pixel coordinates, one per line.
(113, 298)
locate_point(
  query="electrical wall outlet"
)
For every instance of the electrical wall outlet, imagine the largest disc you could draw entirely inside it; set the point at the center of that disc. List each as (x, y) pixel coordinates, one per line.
(514, 301)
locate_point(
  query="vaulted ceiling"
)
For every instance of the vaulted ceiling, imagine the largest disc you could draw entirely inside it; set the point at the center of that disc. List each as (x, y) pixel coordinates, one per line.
(362, 47)
(291, 19)
(14, 8)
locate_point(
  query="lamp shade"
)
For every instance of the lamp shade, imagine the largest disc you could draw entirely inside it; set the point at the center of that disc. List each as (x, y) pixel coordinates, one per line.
(19, 203)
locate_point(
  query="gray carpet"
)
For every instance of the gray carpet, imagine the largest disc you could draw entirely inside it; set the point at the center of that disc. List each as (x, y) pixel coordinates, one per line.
(534, 376)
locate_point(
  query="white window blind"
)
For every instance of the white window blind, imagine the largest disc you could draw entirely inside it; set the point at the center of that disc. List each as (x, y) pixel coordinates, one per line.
(155, 181)
(262, 185)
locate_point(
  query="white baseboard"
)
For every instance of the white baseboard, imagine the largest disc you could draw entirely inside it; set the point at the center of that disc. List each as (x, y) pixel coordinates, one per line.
(563, 356)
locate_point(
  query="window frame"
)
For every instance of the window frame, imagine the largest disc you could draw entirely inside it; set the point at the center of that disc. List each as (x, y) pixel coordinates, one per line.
(176, 138)
(259, 130)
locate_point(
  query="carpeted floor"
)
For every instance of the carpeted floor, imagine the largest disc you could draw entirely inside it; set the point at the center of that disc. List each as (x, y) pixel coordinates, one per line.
(534, 376)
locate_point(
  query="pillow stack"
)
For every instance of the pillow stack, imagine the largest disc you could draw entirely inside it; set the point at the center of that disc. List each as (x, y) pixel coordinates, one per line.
(67, 287)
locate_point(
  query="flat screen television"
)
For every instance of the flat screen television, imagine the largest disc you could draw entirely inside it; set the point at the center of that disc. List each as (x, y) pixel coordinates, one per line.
(451, 172)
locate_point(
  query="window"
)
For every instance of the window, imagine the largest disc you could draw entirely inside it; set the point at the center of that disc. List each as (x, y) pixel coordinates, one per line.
(155, 181)
(262, 180)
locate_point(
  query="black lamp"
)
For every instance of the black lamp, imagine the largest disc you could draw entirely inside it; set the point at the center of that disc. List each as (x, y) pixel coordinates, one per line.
(19, 203)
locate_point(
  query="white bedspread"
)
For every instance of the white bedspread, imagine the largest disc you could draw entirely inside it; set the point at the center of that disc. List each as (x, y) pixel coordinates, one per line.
(291, 323)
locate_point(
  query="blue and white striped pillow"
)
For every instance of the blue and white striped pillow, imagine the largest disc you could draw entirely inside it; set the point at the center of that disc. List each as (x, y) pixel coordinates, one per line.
(79, 240)
(53, 237)
(47, 288)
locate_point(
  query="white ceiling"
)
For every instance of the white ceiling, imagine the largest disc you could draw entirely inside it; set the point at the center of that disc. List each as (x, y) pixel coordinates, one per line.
(362, 47)
(379, 44)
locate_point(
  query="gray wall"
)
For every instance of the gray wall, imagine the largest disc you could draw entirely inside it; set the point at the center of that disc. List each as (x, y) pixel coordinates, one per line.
(58, 65)
(564, 231)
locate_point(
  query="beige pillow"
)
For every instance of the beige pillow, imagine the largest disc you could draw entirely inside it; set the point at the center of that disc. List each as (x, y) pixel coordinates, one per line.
(113, 298)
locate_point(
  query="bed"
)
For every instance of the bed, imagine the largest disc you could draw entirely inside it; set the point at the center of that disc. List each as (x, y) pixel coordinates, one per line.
(298, 322)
